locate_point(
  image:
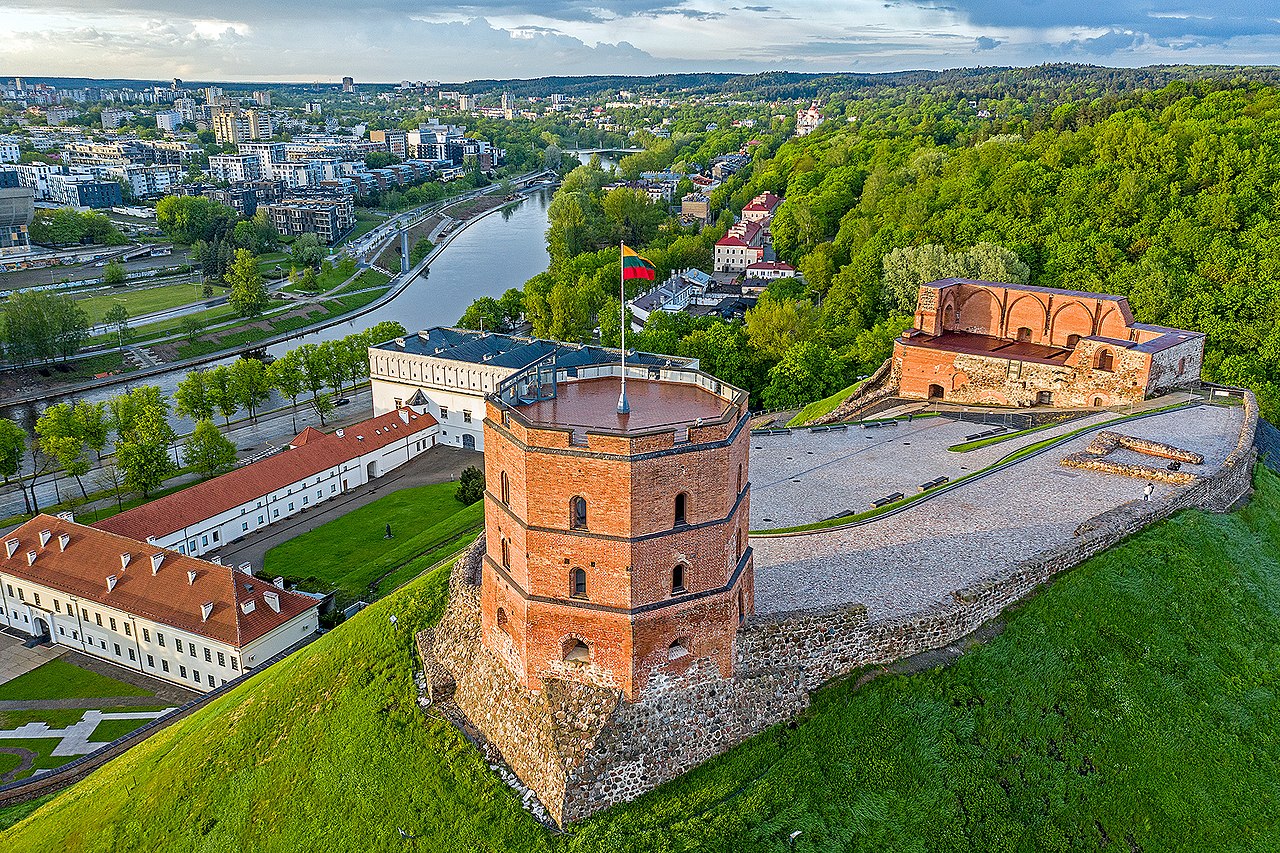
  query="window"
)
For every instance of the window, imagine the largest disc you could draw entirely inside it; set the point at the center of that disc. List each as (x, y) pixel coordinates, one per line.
(260, 518)
(244, 526)
(117, 648)
(466, 416)
(21, 595)
(576, 651)
(62, 631)
(222, 660)
(578, 583)
(98, 617)
(182, 671)
(127, 630)
(739, 478)
(215, 536)
(1106, 361)
(235, 664)
(1024, 334)
(208, 656)
(211, 681)
(57, 606)
(306, 499)
(182, 549)
(204, 541)
(164, 664)
(444, 412)
(319, 494)
(737, 541)
(160, 639)
(37, 599)
(1072, 340)
(113, 623)
(192, 646)
(682, 502)
(679, 648)
(399, 402)
(290, 506)
(131, 655)
(1182, 365)
(275, 513)
(503, 622)
(677, 578)
(506, 489)
(195, 673)
(151, 662)
(506, 554)
(578, 513)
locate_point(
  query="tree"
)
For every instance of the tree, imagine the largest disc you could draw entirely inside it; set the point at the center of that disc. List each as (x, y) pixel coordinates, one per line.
(311, 359)
(221, 391)
(307, 251)
(192, 328)
(114, 274)
(470, 485)
(775, 325)
(124, 408)
(905, 269)
(143, 451)
(309, 282)
(808, 371)
(95, 426)
(13, 441)
(111, 478)
(191, 397)
(118, 317)
(61, 438)
(323, 406)
(285, 375)
(186, 219)
(251, 385)
(248, 295)
(208, 451)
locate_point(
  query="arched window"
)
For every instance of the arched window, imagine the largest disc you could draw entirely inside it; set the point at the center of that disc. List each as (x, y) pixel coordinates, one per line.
(578, 513)
(1024, 334)
(737, 542)
(680, 647)
(503, 622)
(1106, 361)
(578, 583)
(1182, 365)
(576, 651)
(677, 578)
(682, 503)
(506, 489)
(1072, 340)
(506, 553)
(739, 478)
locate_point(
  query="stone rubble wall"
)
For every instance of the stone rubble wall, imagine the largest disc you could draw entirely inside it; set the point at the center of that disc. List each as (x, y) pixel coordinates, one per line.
(1089, 462)
(879, 386)
(1107, 441)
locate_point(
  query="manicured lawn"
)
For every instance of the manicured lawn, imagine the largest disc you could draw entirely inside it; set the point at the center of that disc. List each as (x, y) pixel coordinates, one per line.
(109, 730)
(825, 406)
(1129, 706)
(350, 553)
(58, 679)
(140, 300)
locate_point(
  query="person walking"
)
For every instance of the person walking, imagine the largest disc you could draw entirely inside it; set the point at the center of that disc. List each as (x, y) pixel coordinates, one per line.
(1147, 491)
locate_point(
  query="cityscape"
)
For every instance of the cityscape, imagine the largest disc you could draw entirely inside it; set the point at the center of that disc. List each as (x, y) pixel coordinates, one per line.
(635, 439)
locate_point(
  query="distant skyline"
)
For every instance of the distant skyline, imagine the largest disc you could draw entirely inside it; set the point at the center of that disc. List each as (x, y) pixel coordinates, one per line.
(391, 40)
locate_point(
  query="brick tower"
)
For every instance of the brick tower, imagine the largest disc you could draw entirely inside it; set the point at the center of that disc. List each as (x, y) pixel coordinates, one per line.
(616, 545)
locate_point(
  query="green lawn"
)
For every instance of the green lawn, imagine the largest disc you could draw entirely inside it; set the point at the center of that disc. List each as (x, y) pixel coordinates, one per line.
(109, 730)
(140, 300)
(825, 406)
(1129, 706)
(58, 679)
(350, 553)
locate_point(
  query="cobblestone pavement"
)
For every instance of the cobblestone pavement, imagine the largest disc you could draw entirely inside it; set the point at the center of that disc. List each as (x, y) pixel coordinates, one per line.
(808, 476)
(905, 562)
(16, 660)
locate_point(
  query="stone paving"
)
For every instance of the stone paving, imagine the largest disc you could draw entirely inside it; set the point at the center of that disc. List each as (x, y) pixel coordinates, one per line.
(16, 660)
(74, 739)
(809, 476)
(905, 562)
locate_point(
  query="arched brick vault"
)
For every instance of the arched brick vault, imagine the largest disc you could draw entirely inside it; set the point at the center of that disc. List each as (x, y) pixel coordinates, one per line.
(1028, 311)
(1072, 318)
(980, 312)
(1112, 325)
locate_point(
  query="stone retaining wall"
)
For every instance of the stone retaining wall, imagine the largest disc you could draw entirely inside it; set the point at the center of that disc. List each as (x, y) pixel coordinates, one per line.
(582, 748)
(880, 385)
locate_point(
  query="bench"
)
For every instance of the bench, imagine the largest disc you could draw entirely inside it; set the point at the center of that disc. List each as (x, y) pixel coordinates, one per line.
(877, 424)
(841, 514)
(936, 481)
(887, 499)
(986, 434)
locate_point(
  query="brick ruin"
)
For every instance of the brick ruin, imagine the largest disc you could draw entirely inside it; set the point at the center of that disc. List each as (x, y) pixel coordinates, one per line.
(977, 342)
(1094, 458)
(608, 728)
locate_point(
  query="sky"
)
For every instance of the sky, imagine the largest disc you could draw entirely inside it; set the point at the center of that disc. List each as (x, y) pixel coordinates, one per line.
(448, 40)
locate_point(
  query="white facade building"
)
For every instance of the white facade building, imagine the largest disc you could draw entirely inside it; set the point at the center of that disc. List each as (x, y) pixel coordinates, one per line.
(235, 167)
(315, 468)
(186, 621)
(168, 120)
(9, 151)
(147, 181)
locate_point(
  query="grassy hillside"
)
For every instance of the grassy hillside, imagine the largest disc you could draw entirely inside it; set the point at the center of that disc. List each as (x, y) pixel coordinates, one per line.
(1131, 706)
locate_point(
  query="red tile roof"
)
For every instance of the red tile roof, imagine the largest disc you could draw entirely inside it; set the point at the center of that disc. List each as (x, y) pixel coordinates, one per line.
(168, 596)
(311, 453)
(771, 265)
(766, 201)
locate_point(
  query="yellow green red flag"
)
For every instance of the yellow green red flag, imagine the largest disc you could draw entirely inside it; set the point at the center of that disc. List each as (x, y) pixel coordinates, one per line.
(634, 266)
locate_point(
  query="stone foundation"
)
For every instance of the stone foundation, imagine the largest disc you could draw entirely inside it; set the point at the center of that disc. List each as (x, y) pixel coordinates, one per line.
(583, 748)
(1093, 458)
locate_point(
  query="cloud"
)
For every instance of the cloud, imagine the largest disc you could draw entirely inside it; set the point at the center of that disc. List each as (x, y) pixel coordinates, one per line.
(987, 43)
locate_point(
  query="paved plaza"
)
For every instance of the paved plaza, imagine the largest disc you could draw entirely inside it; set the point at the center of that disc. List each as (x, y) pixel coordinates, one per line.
(16, 660)
(905, 562)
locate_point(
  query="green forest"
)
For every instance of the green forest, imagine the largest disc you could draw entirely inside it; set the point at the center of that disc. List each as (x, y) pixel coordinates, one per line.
(1167, 197)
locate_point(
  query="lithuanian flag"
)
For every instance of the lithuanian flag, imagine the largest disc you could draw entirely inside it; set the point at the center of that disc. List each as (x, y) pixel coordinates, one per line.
(634, 266)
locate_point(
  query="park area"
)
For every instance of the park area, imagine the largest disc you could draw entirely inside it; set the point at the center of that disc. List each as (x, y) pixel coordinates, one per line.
(60, 711)
(140, 301)
(352, 556)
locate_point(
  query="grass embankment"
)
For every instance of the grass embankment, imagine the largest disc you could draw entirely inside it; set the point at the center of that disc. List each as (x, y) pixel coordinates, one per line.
(351, 555)
(139, 300)
(825, 406)
(1129, 706)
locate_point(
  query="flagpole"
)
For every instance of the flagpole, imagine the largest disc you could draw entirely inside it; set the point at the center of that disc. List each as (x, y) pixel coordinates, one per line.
(623, 406)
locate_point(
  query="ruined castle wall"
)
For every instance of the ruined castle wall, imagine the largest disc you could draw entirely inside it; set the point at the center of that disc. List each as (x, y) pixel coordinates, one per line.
(834, 642)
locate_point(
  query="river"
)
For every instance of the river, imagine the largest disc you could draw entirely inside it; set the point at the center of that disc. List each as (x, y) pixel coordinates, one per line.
(500, 251)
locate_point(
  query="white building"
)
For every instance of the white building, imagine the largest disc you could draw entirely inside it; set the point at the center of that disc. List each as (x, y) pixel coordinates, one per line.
(187, 621)
(57, 115)
(9, 151)
(315, 468)
(113, 118)
(168, 120)
(235, 167)
(147, 181)
(449, 372)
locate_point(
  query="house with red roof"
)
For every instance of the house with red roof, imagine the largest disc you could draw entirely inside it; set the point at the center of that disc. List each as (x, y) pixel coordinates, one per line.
(741, 247)
(315, 467)
(761, 208)
(188, 621)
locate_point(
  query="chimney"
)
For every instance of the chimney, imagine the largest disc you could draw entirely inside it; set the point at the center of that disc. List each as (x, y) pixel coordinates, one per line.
(112, 580)
(278, 583)
(45, 536)
(205, 610)
(191, 577)
(10, 547)
(67, 516)
(124, 561)
(247, 606)
(272, 599)
(404, 416)
(247, 569)
(156, 560)
(216, 559)
(340, 433)
(63, 541)
(31, 558)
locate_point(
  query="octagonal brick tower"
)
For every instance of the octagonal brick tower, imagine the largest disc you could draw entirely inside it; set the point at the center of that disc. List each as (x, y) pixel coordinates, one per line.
(616, 545)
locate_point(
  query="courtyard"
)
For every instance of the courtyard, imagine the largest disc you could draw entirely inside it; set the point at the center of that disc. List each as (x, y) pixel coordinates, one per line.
(907, 561)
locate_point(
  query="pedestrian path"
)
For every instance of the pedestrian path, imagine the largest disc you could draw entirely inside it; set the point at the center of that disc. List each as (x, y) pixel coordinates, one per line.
(74, 739)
